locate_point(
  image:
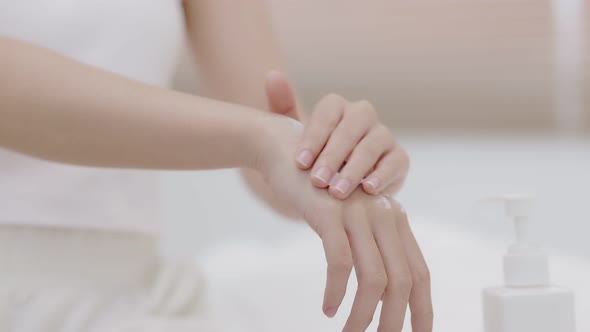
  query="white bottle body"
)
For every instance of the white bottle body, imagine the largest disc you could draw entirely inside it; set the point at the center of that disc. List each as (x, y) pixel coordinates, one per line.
(528, 309)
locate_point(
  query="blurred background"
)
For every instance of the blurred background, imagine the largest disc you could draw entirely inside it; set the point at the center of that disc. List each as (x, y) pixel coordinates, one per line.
(487, 96)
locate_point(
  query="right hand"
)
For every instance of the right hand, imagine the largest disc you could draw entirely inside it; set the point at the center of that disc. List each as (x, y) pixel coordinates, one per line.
(344, 143)
(369, 233)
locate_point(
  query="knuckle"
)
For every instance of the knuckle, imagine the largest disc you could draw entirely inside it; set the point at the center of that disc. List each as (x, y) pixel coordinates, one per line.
(400, 214)
(319, 130)
(378, 141)
(332, 117)
(424, 315)
(381, 206)
(334, 98)
(349, 138)
(384, 136)
(330, 102)
(427, 315)
(373, 150)
(329, 109)
(341, 263)
(383, 132)
(367, 110)
(402, 285)
(365, 106)
(385, 170)
(376, 281)
(359, 322)
(421, 276)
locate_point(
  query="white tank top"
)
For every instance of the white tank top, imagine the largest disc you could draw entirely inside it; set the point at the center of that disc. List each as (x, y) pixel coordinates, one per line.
(140, 39)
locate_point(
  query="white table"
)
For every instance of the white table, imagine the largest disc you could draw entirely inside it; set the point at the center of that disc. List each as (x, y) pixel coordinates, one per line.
(279, 287)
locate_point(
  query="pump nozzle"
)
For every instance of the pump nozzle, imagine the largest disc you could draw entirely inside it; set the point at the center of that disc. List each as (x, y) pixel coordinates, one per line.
(524, 265)
(518, 207)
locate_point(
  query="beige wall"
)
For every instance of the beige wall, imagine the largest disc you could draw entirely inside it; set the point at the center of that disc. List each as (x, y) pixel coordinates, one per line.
(429, 63)
(587, 64)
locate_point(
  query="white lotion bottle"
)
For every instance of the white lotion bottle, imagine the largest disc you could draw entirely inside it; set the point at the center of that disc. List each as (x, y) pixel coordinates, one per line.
(527, 302)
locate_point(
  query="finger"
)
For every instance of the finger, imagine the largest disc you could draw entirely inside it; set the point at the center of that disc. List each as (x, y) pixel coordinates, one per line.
(325, 118)
(339, 259)
(397, 293)
(361, 161)
(390, 170)
(371, 275)
(393, 187)
(420, 296)
(280, 96)
(358, 119)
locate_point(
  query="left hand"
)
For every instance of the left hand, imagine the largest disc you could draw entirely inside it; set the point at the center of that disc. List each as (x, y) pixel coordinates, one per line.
(344, 143)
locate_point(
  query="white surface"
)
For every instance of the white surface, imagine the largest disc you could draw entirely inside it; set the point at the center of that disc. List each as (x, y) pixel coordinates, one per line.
(279, 287)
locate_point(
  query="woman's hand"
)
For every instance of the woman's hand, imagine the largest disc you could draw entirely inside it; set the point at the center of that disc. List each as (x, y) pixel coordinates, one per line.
(369, 233)
(344, 144)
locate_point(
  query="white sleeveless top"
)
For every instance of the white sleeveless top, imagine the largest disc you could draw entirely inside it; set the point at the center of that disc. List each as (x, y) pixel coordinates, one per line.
(140, 39)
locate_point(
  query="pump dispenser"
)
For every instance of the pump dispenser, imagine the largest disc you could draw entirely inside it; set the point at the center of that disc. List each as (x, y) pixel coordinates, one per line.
(527, 302)
(524, 265)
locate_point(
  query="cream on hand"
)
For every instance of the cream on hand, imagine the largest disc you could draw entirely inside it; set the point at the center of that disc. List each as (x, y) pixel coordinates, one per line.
(527, 302)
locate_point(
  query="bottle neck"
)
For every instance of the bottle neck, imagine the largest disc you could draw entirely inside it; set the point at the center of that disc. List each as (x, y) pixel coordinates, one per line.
(526, 267)
(520, 228)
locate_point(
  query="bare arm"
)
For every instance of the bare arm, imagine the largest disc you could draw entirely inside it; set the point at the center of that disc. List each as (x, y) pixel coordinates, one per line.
(58, 109)
(235, 49)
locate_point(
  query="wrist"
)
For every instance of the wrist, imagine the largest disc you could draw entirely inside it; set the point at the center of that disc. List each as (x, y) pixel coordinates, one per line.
(274, 140)
(259, 143)
(225, 135)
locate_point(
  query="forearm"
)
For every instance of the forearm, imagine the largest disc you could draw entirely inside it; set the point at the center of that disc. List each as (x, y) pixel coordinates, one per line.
(58, 109)
(235, 48)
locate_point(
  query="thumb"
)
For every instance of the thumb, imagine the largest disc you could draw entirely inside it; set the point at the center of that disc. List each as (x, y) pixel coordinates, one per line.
(280, 95)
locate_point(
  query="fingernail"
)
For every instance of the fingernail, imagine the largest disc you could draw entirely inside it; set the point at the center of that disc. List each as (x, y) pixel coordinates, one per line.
(331, 312)
(323, 174)
(342, 185)
(373, 183)
(305, 157)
